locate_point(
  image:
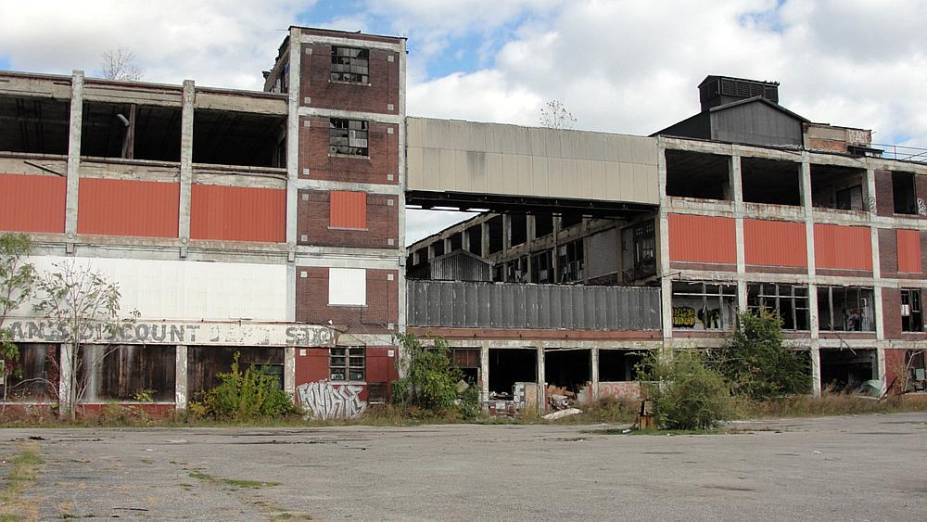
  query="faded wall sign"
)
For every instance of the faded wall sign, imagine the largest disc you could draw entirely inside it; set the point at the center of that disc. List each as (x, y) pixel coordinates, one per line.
(327, 400)
(175, 332)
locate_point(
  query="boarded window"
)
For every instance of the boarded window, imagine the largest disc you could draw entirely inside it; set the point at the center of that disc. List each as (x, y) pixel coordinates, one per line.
(126, 373)
(348, 210)
(909, 251)
(34, 375)
(347, 286)
(205, 363)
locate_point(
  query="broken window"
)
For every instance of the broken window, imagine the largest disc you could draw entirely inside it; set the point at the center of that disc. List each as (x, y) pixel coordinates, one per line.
(543, 225)
(34, 125)
(475, 240)
(769, 181)
(697, 175)
(205, 363)
(495, 234)
(517, 270)
(845, 309)
(904, 193)
(468, 361)
(788, 302)
(239, 138)
(571, 261)
(350, 64)
(518, 229)
(34, 375)
(126, 372)
(348, 137)
(346, 363)
(704, 306)
(542, 268)
(847, 370)
(911, 318)
(639, 251)
(618, 365)
(837, 187)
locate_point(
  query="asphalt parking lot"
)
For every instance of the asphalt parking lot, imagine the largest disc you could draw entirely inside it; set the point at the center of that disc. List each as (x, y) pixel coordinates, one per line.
(838, 468)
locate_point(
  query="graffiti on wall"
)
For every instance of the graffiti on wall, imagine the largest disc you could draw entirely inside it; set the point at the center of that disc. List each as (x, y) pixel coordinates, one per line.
(327, 400)
(620, 390)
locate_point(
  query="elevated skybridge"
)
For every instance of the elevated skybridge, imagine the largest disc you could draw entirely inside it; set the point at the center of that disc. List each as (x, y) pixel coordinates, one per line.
(502, 168)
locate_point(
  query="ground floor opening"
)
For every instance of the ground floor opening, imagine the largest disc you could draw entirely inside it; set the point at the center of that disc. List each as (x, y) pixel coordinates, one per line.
(846, 370)
(510, 365)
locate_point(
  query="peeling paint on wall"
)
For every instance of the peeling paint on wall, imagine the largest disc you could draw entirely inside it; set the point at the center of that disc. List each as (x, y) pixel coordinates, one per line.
(325, 400)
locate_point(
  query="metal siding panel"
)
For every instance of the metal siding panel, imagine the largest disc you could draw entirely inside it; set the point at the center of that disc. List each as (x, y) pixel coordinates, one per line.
(774, 243)
(577, 308)
(624, 310)
(238, 213)
(601, 303)
(704, 239)
(30, 203)
(348, 209)
(128, 207)
(842, 247)
(909, 251)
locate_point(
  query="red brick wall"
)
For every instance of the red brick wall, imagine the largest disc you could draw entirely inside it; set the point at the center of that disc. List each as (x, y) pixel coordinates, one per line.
(894, 359)
(382, 160)
(316, 84)
(381, 309)
(920, 190)
(313, 366)
(313, 222)
(885, 204)
(891, 312)
(888, 253)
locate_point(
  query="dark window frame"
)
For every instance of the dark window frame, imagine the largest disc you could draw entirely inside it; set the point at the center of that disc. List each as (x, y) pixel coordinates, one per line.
(826, 296)
(784, 300)
(348, 137)
(571, 261)
(914, 320)
(725, 293)
(347, 364)
(350, 65)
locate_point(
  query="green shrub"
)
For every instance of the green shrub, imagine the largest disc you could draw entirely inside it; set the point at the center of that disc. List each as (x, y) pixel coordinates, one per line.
(430, 381)
(247, 395)
(757, 364)
(686, 394)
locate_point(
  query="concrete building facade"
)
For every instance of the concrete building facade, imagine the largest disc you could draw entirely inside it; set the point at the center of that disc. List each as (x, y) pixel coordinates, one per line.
(272, 225)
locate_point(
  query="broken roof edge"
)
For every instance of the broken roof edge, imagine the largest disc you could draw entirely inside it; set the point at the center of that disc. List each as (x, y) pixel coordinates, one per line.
(345, 33)
(465, 224)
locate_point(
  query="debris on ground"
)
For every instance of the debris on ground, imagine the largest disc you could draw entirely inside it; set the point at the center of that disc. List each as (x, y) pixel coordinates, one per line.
(559, 414)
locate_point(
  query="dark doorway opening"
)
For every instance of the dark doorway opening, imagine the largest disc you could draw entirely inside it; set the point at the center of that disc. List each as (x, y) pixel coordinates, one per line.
(508, 366)
(847, 370)
(618, 365)
(568, 369)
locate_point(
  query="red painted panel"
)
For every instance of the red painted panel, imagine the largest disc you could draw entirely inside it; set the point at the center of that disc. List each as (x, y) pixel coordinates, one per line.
(380, 366)
(128, 208)
(909, 251)
(348, 210)
(311, 367)
(702, 239)
(238, 213)
(842, 247)
(774, 243)
(31, 203)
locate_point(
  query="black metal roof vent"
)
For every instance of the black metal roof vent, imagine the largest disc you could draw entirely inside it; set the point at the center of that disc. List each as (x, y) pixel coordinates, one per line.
(721, 90)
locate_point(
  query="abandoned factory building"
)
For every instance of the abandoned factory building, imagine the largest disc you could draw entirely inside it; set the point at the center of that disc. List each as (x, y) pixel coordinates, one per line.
(272, 224)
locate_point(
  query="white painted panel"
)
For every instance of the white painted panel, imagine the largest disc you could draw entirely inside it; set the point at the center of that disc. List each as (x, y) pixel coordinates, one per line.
(188, 290)
(347, 286)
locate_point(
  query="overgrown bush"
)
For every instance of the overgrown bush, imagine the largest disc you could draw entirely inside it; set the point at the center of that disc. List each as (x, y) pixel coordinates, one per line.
(686, 394)
(247, 395)
(430, 380)
(756, 363)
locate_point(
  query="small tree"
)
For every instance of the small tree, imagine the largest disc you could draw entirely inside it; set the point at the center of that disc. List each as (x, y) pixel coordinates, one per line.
(247, 395)
(757, 364)
(119, 64)
(85, 305)
(686, 393)
(430, 380)
(555, 116)
(17, 277)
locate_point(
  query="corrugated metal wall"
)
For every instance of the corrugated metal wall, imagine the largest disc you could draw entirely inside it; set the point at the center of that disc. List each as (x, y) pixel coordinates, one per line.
(909, 251)
(128, 208)
(238, 213)
(774, 243)
(842, 247)
(460, 266)
(348, 209)
(498, 305)
(30, 203)
(702, 239)
(756, 123)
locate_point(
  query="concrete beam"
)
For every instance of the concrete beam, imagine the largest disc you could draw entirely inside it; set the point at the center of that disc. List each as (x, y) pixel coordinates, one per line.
(73, 172)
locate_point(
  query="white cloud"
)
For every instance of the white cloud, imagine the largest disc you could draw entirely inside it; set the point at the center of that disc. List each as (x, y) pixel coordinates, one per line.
(422, 223)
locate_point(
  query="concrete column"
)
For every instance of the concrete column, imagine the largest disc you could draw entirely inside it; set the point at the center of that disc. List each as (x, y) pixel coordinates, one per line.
(814, 314)
(506, 233)
(594, 377)
(293, 128)
(73, 169)
(64, 380)
(484, 373)
(180, 378)
(815, 372)
(741, 295)
(484, 239)
(186, 164)
(666, 295)
(289, 371)
(736, 182)
(661, 229)
(542, 391)
(880, 361)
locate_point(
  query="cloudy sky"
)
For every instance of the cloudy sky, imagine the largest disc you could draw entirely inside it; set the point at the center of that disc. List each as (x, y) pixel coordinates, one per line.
(619, 66)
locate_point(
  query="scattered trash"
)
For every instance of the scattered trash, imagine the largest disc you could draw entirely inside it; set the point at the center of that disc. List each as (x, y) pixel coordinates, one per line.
(626, 430)
(36, 437)
(562, 413)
